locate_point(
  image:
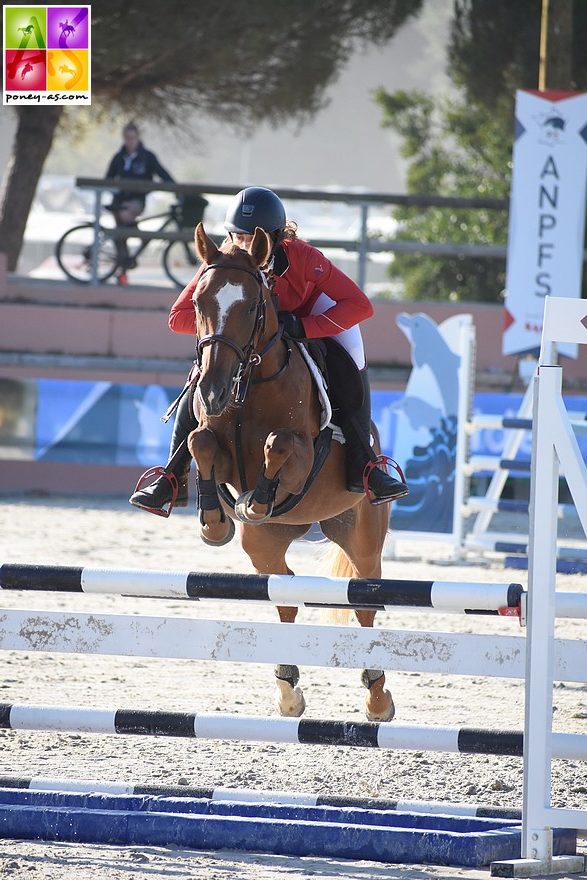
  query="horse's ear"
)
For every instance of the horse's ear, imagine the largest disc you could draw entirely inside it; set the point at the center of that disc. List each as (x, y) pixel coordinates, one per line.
(261, 247)
(205, 247)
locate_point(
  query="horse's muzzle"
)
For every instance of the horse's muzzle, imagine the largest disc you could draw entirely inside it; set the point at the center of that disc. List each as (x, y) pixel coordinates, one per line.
(214, 396)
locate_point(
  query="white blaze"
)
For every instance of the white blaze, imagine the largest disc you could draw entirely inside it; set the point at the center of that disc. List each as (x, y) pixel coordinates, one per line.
(227, 296)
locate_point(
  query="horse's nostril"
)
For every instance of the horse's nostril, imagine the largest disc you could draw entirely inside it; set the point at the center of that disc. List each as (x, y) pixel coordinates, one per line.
(216, 399)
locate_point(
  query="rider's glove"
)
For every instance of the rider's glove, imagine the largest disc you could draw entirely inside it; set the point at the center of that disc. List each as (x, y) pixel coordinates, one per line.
(292, 325)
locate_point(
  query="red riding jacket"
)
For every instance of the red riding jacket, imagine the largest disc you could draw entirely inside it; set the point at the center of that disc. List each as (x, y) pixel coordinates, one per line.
(303, 273)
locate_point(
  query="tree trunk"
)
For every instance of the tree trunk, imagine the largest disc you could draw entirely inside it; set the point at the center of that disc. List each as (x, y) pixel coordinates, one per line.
(34, 136)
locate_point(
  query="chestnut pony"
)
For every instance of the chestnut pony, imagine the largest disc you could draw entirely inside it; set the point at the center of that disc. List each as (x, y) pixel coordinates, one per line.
(255, 392)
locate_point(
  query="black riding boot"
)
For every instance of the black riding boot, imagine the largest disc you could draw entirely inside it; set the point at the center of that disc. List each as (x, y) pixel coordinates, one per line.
(159, 493)
(357, 435)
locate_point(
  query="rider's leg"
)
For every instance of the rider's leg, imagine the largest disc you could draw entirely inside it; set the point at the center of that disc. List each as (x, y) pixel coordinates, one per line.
(126, 215)
(159, 492)
(357, 429)
(357, 434)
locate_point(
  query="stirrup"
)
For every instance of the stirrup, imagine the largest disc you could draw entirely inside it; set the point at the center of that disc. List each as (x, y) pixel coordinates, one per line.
(146, 479)
(373, 464)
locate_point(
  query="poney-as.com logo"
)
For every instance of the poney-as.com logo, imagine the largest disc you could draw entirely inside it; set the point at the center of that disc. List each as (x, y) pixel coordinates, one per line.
(47, 55)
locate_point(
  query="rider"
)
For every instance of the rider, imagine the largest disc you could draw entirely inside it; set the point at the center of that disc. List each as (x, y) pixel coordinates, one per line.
(315, 299)
(133, 162)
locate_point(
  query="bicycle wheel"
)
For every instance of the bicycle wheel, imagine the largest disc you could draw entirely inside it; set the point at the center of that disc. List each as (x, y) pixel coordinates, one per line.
(180, 262)
(74, 253)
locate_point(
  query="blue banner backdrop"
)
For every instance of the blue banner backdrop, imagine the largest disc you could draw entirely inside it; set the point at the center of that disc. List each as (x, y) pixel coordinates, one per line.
(106, 423)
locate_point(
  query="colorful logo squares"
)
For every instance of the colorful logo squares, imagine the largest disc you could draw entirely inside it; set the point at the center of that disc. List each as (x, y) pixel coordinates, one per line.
(47, 54)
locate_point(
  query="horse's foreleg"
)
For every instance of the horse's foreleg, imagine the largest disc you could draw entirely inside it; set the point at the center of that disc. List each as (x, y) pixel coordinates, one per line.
(378, 702)
(287, 461)
(216, 528)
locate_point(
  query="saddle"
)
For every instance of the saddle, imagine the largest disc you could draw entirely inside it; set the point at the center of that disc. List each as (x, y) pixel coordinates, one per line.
(341, 374)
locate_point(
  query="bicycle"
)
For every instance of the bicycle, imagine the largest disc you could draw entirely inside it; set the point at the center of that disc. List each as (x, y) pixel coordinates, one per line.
(77, 249)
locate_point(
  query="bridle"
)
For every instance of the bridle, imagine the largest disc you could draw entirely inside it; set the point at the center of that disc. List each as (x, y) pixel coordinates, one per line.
(248, 357)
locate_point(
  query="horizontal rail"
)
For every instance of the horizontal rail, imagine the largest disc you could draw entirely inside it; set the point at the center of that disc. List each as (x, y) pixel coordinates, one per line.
(477, 504)
(126, 232)
(296, 193)
(258, 728)
(277, 589)
(513, 542)
(256, 796)
(493, 463)
(498, 422)
(563, 566)
(239, 641)
(374, 246)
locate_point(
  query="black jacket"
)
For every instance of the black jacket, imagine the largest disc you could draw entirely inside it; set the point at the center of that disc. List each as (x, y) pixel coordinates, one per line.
(144, 166)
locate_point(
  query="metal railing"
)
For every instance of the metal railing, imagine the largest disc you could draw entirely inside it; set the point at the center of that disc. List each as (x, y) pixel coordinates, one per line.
(363, 244)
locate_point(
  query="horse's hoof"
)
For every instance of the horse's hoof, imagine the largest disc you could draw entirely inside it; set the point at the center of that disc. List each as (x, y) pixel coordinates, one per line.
(245, 515)
(289, 701)
(383, 708)
(222, 541)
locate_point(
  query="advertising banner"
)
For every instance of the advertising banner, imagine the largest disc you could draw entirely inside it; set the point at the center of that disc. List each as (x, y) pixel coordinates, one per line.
(547, 212)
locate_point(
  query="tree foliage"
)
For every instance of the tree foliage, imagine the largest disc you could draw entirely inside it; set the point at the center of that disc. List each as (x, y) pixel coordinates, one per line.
(494, 46)
(242, 62)
(453, 148)
(461, 145)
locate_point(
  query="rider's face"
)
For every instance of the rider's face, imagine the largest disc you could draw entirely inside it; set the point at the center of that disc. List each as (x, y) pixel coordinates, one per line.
(131, 140)
(242, 240)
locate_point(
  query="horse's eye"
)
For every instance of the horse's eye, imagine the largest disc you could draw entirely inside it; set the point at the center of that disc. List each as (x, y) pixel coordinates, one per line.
(252, 310)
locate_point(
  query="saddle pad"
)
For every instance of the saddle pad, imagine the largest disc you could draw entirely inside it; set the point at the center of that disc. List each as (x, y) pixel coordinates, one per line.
(325, 407)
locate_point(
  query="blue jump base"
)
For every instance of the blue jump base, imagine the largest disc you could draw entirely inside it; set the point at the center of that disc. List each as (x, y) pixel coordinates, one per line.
(322, 832)
(563, 566)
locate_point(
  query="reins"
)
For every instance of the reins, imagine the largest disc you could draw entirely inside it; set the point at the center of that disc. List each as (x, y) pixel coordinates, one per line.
(247, 356)
(248, 360)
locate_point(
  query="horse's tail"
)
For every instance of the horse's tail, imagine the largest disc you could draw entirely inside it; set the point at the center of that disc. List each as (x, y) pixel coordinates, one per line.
(340, 567)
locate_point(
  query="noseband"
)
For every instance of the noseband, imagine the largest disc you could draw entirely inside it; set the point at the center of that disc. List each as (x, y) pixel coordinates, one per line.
(247, 356)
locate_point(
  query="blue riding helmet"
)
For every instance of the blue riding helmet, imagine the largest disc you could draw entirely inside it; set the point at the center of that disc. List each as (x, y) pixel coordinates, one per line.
(252, 207)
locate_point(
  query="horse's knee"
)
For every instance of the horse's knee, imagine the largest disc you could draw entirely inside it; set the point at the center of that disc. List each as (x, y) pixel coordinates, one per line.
(203, 447)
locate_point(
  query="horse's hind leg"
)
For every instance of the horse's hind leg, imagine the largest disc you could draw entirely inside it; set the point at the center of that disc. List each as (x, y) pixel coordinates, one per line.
(360, 533)
(266, 545)
(379, 705)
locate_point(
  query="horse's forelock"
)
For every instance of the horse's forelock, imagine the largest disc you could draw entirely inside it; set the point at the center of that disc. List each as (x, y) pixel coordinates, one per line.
(233, 250)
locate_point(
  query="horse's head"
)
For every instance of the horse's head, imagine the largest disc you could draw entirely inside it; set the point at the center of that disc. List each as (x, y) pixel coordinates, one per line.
(229, 300)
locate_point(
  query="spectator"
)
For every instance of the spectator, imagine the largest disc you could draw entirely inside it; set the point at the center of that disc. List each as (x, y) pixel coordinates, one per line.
(133, 162)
